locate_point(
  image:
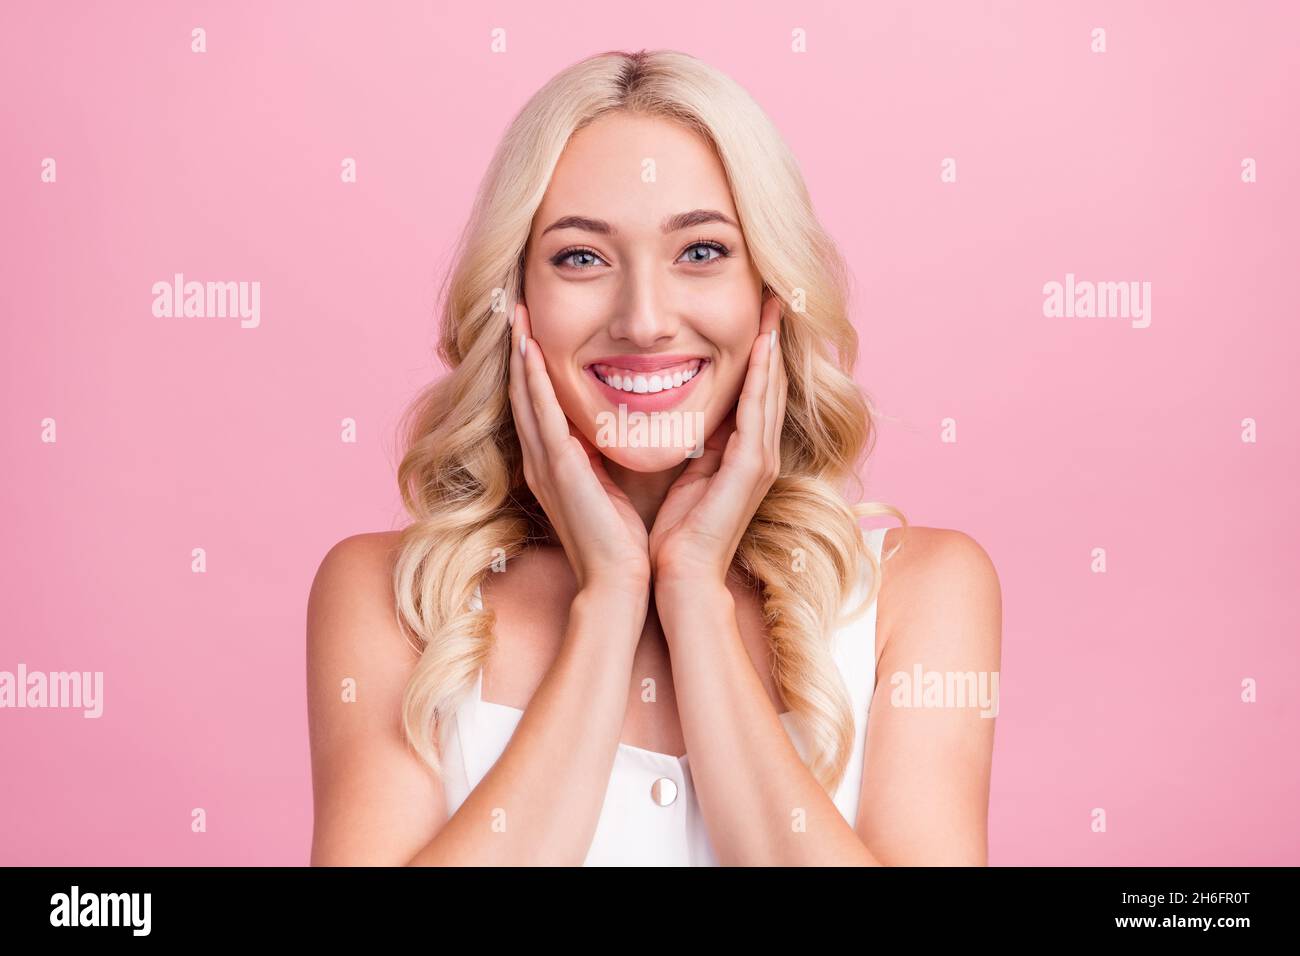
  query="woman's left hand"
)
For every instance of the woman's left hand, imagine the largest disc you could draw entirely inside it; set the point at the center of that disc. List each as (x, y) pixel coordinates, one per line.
(709, 506)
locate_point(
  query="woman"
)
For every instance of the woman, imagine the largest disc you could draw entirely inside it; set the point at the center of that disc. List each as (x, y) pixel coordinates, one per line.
(592, 648)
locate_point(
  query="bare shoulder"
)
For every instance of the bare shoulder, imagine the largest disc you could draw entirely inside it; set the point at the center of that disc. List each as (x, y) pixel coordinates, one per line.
(928, 761)
(351, 602)
(352, 629)
(940, 581)
(354, 564)
(375, 803)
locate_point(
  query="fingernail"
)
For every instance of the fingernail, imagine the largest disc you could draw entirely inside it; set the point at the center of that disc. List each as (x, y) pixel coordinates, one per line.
(523, 346)
(771, 340)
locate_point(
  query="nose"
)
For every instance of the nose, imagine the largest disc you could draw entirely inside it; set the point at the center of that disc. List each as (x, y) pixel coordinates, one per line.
(642, 313)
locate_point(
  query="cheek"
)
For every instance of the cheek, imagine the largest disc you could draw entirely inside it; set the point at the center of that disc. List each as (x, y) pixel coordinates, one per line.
(733, 334)
(559, 339)
(729, 308)
(562, 319)
(731, 381)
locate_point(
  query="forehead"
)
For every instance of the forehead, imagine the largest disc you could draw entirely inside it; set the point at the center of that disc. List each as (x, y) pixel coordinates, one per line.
(633, 171)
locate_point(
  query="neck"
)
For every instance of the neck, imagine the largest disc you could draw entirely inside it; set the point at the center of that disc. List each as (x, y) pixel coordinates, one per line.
(645, 489)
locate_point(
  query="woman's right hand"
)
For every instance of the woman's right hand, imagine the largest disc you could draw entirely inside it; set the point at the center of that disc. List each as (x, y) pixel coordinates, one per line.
(603, 537)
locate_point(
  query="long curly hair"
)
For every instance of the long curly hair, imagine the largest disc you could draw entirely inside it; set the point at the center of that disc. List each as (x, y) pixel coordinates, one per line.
(461, 476)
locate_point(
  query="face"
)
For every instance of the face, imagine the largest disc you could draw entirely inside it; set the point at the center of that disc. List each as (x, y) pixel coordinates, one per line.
(640, 290)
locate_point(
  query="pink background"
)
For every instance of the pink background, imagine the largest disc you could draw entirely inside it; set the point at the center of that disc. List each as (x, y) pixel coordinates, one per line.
(1119, 690)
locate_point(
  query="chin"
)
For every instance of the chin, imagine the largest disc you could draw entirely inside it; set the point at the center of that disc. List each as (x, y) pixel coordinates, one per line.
(646, 442)
(645, 460)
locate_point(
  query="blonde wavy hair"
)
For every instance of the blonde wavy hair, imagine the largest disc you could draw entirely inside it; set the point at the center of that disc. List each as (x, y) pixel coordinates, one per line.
(461, 476)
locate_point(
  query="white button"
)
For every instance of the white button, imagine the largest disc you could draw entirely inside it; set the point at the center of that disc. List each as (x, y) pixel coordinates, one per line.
(663, 791)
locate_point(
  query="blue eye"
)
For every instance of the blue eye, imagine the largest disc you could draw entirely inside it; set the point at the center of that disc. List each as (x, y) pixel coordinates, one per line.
(581, 258)
(708, 244)
(560, 258)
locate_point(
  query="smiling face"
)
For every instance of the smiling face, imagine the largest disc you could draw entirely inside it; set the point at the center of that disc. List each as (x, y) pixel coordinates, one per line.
(641, 293)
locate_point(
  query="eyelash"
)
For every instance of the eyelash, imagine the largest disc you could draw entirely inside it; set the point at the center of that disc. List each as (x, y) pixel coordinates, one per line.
(559, 257)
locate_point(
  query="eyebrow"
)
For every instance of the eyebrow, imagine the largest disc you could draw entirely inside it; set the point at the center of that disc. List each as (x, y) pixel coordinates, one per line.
(682, 220)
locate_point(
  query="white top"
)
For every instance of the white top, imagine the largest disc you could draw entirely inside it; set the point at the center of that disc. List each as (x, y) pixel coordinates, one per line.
(650, 816)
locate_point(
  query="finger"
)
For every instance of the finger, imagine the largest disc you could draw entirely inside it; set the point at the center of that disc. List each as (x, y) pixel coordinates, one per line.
(525, 418)
(593, 453)
(710, 458)
(749, 408)
(552, 424)
(772, 314)
(596, 459)
(587, 446)
(783, 390)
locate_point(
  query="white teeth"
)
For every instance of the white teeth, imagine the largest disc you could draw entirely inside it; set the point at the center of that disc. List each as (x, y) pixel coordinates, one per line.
(643, 385)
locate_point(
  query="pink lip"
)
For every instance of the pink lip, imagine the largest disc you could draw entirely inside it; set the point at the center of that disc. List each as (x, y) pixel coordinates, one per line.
(644, 363)
(646, 401)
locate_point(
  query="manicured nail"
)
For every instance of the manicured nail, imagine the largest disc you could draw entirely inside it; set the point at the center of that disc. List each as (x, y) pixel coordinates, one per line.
(523, 346)
(771, 340)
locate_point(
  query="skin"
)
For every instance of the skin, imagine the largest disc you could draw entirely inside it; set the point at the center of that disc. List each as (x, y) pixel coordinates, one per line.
(638, 584)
